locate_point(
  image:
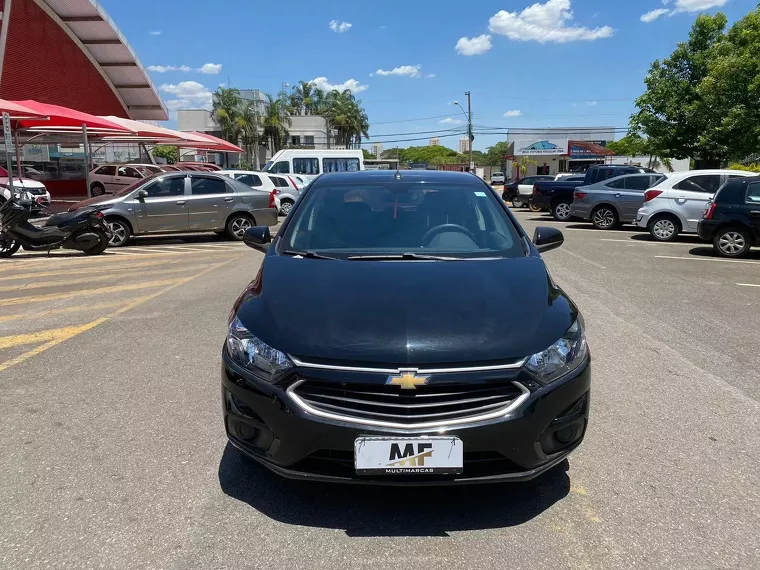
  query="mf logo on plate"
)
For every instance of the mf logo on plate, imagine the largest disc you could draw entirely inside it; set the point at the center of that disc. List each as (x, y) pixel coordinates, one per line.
(407, 457)
(407, 379)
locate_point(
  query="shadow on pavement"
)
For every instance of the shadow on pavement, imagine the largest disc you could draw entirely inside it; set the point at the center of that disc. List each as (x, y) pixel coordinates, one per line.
(389, 511)
(706, 250)
(680, 239)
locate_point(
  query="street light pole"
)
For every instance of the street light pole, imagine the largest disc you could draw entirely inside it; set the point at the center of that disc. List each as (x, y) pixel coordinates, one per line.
(468, 116)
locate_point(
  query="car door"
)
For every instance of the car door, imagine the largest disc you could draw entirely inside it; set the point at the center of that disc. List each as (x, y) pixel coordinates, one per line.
(104, 175)
(525, 186)
(752, 204)
(632, 197)
(165, 207)
(125, 176)
(690, 195)
(209, 203)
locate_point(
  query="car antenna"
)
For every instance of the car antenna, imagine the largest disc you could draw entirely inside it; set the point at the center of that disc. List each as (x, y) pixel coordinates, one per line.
(397, 176)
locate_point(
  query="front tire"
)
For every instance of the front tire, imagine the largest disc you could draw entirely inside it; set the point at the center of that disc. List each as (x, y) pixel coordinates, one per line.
(100, 247)
(732, 242)
(604, 218)
(664, 228)
(518, 202)
(237, 226)
(97, 189)
(8, 246)
(120, 233)
(561, 211)
(533, 207)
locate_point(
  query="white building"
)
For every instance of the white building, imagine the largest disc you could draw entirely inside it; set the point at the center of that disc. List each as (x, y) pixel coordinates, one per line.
(464, 145)
(376, 149)
(434, 141)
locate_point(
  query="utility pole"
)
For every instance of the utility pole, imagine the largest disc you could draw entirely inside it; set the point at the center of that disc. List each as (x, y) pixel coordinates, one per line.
(469, 129)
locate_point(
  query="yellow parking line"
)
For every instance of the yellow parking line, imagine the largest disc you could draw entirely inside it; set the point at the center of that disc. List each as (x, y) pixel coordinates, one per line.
(35, 275)
(45, 336)
(28, 263)
(131, 305)
(88, 292)
(46, 314)
(91, 279)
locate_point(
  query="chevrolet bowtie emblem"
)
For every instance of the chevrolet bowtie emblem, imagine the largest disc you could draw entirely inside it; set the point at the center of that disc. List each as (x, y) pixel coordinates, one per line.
(407, 379)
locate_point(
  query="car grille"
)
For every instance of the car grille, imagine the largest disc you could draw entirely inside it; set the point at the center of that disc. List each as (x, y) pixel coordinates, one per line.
(382, 404)
(35, 191)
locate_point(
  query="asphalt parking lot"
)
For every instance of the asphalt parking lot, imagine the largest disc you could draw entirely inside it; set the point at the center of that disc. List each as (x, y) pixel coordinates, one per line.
(114, 454)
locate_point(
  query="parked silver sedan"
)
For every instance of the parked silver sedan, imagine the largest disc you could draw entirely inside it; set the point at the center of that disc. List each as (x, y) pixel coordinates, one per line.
(614, 201)
(183, 202)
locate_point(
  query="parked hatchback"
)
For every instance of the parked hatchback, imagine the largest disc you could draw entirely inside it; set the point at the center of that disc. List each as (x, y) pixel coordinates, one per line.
(731, 221)
(185, 202)
(675, 205)
(285, 187)
(612, 202)
(396, 365)
(112, 178)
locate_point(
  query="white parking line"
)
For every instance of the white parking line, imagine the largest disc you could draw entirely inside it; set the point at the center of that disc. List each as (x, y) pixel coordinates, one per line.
(605, 231)
(645, 242)
(594, 263)
(708, 259)
(748, 285)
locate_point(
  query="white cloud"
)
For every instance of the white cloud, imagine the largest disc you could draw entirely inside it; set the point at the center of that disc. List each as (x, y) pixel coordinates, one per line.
(513, 113)
(339, 27)
(210, 68)
(652, 15)
(351, 84)
(681, 6)
(155, 33)
(591, 103)
(165, 68)
(187, 95)
(544, 23)
(474, 46)
(430, 75)
(403, 71)
(450, 121)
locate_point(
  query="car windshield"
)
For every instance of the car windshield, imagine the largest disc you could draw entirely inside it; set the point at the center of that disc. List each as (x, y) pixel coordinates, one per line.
(456, 221)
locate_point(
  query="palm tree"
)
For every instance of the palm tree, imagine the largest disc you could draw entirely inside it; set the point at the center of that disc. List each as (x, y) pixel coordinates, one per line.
(225, 107)
(276, 122)
(346, 115)
(249, 125)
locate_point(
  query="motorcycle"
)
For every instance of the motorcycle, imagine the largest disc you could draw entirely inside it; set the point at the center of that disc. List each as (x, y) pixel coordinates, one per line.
(84, 229)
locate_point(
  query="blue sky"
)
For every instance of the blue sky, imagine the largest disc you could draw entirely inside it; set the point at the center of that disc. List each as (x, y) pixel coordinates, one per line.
(552, 63)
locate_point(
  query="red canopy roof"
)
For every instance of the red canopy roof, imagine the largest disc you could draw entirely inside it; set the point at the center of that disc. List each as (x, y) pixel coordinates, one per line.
(65, 119)
(219, 144)
(17, 111)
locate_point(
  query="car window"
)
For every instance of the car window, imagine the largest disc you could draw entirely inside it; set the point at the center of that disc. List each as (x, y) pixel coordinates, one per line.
(618, 184)
(280, 167)
(248, 179)
(575, 179)
(753, 193)
(306, 165)
(166, 187)
(528, 180)
(340, 165)
(152, 169)
(106, 170)
(207, 185)
(458, 220)
(707, 183)
(639, 183)
(128, 172)
(279, 181)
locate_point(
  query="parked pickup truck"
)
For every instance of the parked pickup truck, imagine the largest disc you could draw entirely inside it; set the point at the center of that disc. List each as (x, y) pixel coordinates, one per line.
(557, 196)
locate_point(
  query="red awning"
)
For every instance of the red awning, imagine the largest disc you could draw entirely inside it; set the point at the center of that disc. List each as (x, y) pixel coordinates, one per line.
(144, 131)
(220, 144)
(17, 111)
(63, 119)
(591, 148)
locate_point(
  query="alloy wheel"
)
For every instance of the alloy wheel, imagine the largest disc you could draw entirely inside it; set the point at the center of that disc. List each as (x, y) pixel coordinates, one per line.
(664, 229)
(286, 207)
(562, 210)
(604, 218)
(119, 233)
(240, 225)
(732, 243)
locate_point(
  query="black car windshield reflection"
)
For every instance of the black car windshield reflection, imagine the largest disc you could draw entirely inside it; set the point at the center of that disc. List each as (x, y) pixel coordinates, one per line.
(387, 220)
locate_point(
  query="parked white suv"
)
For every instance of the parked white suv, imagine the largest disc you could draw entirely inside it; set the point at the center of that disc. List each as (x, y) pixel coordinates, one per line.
(675, 205)
(286, 188)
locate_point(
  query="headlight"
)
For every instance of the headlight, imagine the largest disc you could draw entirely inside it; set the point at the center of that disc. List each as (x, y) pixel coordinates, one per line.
(562, 357)
(252, 353)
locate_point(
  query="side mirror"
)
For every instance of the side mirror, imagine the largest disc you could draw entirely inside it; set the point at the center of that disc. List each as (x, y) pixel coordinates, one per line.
(546, 239)
(141, 194)
(258, 237)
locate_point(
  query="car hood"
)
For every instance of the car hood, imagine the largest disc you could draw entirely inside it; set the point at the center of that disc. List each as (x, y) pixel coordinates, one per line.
(24, 182)
(406, 312)
(96, 201)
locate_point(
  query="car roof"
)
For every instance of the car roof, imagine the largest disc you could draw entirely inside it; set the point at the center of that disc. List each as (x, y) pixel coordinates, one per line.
(685, 173)
(368, 176)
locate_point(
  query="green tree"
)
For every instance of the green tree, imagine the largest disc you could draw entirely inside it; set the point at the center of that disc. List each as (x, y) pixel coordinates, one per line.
(495, 154)
(346, 115)
(631, 145)
(276, 122)
(672, 113)
(225, 107)
(167, 152)
(250, 128)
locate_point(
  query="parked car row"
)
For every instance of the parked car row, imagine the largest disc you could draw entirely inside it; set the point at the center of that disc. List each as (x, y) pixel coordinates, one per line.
(111, 178)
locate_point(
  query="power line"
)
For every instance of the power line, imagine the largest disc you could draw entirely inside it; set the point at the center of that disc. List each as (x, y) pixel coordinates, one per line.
(458, 130)
(557, 100)
(411, 120)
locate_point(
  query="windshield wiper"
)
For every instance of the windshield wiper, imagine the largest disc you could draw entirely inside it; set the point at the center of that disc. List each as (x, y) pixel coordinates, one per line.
(308, 253)
(406, 255)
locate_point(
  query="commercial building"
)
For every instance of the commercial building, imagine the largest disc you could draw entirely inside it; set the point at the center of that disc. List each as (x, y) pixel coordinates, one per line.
(464, 145)
(377, 150)
(434, 141)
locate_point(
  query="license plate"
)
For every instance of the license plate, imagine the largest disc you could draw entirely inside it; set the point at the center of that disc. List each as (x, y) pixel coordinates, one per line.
(413, 455)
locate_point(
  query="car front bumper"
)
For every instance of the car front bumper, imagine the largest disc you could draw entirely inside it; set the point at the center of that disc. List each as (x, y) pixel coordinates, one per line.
(266, 424)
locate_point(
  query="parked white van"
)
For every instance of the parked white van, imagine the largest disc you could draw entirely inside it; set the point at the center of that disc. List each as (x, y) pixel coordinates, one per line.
(312, 163)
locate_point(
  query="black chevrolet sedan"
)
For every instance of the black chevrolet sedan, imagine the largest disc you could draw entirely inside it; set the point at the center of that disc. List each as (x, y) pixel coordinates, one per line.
(403, 329)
